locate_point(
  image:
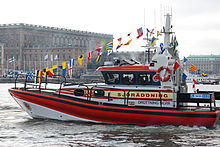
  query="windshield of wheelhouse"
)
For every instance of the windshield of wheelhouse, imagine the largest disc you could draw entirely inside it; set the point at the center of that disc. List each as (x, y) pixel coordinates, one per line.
(130, 78)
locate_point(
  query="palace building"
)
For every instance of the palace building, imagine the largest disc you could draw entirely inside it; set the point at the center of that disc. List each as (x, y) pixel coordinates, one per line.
(35, 47)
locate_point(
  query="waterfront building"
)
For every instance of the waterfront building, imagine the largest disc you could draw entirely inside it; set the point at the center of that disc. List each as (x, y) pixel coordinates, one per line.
(37, 47)
(209, 64)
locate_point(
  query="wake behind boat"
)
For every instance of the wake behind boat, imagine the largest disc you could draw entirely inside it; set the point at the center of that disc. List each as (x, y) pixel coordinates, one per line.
(133, 93)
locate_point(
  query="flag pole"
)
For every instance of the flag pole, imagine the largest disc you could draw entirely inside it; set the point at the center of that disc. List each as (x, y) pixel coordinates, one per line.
(14, 64)
(7, 64)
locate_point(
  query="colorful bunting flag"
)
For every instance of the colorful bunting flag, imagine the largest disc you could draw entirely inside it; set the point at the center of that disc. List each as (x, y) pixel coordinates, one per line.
(98, 49)
(39, 76)
(55, 68)
(45, 71)
(119, 40)
(204, 75)
(46, 57)
(193, 68)
(147, 33)
(158, 33)
(185, 59)
(99, 56)
(63, 69)
(162, 49)
(118, 46)
(194, 81)
(30, 75)
(10, 60)
(56, 57)
(50, 72)
(176, 66)
(109, 51)
(129, 41)
(184, 76)
(51, 57)
(80, 59)
(151, 32)
(90, 56)
(109, 45)
(140, 32)
(71, 67)
(153, 41)
(71, 62)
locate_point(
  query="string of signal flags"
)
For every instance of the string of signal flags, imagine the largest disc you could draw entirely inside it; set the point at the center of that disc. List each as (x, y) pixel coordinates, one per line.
(150, 34)
(65, 66)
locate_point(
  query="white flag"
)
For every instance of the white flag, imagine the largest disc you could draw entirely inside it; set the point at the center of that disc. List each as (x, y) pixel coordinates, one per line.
(46, 57)
(109, 51)
(51, 57)
(56, 57)
(11, 59)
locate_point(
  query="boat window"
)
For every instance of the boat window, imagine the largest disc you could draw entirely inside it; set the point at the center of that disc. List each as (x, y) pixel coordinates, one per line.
(78, 92)
(99, 92)
(128, 78)
(144, 78)
(112, 78)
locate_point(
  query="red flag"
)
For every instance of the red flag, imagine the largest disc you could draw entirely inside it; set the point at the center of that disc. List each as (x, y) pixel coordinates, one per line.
(50, 74)
(119, 39)
(194, 81)
(176, 66)
(90, 56)
(98, 49)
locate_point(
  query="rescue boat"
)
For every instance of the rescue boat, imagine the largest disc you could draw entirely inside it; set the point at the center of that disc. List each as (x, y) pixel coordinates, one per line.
(152, 93)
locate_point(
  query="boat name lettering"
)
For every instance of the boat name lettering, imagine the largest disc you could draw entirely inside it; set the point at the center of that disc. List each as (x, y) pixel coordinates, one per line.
(156, 95)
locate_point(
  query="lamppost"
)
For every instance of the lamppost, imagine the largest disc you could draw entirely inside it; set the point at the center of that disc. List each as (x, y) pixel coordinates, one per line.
(2, 57)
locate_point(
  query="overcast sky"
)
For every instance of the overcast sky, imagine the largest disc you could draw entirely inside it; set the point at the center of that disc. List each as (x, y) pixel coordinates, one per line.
(196, 22)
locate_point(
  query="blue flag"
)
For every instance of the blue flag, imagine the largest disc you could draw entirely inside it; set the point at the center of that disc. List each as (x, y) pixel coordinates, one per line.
(185, 59)
(184, 76)
(71, 62)
(30, 75)
(118, 46)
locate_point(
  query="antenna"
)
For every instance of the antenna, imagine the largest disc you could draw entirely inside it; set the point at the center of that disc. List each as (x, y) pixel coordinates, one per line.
(161, 15)
(155, 22)
(144, 18)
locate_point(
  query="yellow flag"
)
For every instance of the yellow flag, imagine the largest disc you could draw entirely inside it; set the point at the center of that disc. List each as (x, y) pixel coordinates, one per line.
(80, 59)
(55, 68)
(45, 71)
(129, 41)
(63, 65)
(99, 56)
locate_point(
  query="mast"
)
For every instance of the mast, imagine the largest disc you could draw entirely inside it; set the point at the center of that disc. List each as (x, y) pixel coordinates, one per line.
(167, 31)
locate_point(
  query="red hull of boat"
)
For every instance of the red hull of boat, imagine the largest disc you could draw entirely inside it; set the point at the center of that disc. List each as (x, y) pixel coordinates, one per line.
(118, 114)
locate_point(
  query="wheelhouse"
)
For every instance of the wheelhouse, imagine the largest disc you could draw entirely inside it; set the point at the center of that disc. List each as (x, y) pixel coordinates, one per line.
(129, 75)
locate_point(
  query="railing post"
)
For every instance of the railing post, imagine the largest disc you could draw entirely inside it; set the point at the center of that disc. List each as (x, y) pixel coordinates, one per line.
(25, 82)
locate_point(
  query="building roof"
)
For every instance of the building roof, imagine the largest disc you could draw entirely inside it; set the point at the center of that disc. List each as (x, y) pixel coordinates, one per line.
(54, 29)
(204, 57)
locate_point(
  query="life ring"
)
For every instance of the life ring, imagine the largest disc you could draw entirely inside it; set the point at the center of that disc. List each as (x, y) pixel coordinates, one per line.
(167, 71)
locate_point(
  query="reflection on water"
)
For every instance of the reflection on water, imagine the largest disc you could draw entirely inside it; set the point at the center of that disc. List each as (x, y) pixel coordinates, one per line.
(18, 129)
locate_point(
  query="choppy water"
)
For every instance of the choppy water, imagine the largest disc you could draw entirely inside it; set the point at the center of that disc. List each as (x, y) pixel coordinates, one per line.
(17, 129)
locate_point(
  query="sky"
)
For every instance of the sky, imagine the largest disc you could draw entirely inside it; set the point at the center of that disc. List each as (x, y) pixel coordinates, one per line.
(196, 23)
